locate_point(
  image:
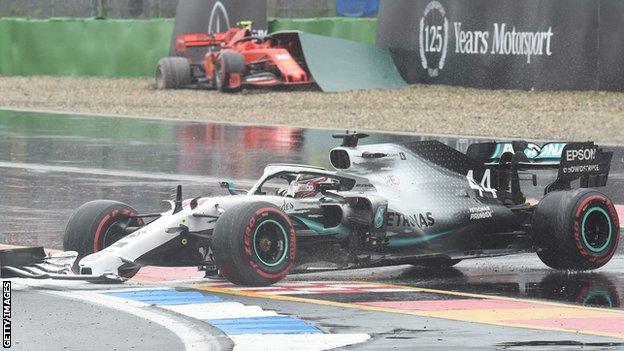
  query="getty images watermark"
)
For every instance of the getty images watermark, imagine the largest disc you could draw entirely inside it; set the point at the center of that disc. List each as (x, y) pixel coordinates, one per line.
(6, 314)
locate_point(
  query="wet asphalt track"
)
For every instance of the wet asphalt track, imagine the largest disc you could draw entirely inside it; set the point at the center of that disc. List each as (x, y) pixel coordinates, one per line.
(50, 322)
(50, 164)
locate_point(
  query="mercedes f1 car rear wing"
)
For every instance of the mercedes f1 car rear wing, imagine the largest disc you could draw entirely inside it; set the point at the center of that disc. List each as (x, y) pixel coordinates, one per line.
(491, 153)
(584, 161)
(573, 161)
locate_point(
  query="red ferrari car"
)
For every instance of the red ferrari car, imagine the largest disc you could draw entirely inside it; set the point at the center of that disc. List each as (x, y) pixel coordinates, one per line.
(234, 59)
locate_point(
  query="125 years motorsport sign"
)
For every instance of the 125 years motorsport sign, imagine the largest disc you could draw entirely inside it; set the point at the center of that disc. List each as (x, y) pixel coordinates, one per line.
(528, 44)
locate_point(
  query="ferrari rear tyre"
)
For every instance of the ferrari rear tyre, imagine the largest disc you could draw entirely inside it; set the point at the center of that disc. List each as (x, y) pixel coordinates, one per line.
(96, 225)
(254, 244)
(228, 63)
(575, 230)
(173, 73)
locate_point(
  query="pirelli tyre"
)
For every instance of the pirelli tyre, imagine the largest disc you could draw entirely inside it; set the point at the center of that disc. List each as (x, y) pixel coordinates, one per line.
(254, 244)
(229, 64)
(173, 73)
(96, 225)
(576, 229)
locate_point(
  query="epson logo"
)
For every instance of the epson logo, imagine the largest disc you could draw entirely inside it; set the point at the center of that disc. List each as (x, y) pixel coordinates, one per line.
(580, 155)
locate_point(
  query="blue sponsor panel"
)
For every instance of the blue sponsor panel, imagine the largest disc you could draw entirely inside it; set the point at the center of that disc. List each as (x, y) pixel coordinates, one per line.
(357, 8)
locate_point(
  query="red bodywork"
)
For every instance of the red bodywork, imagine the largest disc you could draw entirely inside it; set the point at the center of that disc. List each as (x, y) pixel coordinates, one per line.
(261, 56)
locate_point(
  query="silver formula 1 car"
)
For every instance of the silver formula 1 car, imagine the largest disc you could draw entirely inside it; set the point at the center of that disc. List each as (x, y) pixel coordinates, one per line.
(421, 203)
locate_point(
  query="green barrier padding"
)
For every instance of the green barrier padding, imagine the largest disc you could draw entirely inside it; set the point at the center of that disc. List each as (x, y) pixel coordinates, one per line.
(339, 65)
(357, 29)
(112, 48)
(122, 48)
(5, 48)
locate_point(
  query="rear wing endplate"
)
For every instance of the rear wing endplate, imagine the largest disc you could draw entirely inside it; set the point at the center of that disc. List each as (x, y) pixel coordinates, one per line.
(584, 161)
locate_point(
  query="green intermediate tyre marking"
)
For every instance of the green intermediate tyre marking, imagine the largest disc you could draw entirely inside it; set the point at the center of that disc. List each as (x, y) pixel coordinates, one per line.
(284, 237)
(583, 234)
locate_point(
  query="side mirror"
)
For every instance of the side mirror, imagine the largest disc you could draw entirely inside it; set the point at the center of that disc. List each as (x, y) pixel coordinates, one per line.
(229, 186)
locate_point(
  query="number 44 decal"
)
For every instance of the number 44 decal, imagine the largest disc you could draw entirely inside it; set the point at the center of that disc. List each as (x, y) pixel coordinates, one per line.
(485, 186)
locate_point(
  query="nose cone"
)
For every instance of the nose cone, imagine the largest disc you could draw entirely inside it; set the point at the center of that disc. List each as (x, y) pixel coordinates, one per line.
(100, 263)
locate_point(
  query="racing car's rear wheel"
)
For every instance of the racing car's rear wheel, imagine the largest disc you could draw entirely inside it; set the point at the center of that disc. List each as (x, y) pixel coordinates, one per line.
(228, 63)
(576, 230)
(96, 225)
(173, 73)
(254, 244)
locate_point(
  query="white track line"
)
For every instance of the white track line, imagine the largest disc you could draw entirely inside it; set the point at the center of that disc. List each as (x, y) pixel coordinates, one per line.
(219, 310)
(295, 342)
(192, 337)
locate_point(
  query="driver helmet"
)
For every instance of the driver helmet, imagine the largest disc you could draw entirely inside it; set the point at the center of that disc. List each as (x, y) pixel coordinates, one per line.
(305, 186)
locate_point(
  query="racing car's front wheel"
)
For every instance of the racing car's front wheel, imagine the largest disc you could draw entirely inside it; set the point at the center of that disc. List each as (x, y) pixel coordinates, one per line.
(576, 229)
(254, 244)
(96, 225)
(229, 70)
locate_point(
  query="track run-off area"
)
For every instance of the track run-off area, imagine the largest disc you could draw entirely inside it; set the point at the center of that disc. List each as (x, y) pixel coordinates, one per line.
(52, 163)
